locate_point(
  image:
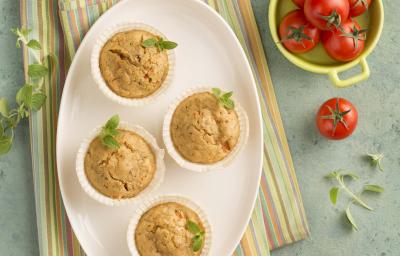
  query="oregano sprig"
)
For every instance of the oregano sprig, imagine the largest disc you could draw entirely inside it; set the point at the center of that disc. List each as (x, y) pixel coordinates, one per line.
(160, 43)
(30, 97)
(109, 131)
(224, 98)
(198, 238)
(339, 176)
(376, 160)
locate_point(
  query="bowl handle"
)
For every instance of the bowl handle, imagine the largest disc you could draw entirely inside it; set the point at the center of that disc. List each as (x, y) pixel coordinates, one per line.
(333, 75)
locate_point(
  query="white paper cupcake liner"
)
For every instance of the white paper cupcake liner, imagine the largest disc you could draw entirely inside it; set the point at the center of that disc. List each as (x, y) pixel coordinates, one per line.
(96, 195)
(148, 203)
(243, 137)
(98, 77)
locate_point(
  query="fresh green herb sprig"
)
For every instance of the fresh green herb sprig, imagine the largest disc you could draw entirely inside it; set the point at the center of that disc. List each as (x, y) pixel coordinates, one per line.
(160, 43)
(198, 238)
(376, 160)
(339, 176)
(109, 131)
(30, 97)
(224, 98)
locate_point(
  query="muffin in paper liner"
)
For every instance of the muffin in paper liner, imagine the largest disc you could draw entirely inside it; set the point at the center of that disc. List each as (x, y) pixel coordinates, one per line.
(98, 77)
(180, 160)
(96, 195)
(150, 202)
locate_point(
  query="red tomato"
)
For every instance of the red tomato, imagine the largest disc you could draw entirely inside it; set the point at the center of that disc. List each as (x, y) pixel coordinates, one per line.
(344, 45)
(358, 7)
(337, 119)
(297, 34)
(299, 3)
(326, 14)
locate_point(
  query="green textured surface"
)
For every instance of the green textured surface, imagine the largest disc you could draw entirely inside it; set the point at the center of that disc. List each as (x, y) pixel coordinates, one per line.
(299, 95)
(17, 210)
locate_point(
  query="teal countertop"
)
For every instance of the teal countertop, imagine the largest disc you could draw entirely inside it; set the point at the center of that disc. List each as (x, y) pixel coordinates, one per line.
(299, 95)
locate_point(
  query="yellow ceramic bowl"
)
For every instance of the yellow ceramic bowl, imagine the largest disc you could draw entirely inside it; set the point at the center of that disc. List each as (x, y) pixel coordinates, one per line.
(317, 60)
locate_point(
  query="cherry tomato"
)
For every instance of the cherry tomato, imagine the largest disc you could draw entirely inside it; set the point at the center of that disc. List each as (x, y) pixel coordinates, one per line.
(297, 34)
(347, 44)
(326, 14)
(358, 7)
(337, 119)
(299, 3)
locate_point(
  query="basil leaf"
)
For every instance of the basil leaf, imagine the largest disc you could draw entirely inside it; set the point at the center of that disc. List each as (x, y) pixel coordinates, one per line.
(197, 243)
(37, 71)
(34, 44)
(333, 194)
(350, 218)
(351, 175)
(149, 42)
(113, 122)
(110, 142)
(38, 99)
(4, 109)
(332, 175)
(5, 144)
(373, 188)
(193, 227)
(229, 104)
(227, 95)
(168, 45)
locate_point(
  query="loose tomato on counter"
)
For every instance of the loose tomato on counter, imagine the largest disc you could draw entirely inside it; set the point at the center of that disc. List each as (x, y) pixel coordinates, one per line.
(299, 3)
(326, 14)
(297, 34)
(337, 119)
(344, 44)
(358, 7)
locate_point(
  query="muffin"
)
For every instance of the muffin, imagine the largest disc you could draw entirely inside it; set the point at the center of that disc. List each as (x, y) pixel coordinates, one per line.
(169, 225)
(131, 70)
(123, 174)
(132, 63)
(163, 230)
(203, 130)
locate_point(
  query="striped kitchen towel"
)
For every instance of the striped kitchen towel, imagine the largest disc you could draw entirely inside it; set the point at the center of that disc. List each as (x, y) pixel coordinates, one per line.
(60, 25)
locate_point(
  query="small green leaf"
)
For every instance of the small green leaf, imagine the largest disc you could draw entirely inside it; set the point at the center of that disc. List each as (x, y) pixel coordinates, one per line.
(227, 95)
(332, 175)
(113, 122)
(34, 44)
(376, 160)
(5, 144)
(216, 91)
(350, 218)
(110, 142)
(4, 109)
(168, 45)
(333, 194)
(24, 95)
(193, 227)
(197, 243)
(37, 71)
(351, 175)
(229, 104)
(151, 42)
(373, 188)
(38, 99)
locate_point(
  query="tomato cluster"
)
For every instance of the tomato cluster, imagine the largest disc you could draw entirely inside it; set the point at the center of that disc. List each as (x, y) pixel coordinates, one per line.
(328, 21)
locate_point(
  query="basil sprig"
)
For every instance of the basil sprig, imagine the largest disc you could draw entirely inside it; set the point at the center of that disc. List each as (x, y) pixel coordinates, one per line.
(198, 238)
(160, 43)
(109, 131)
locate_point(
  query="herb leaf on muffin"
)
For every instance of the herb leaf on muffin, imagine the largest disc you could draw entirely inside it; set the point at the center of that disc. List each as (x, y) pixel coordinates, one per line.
(198, 235)
(224, 98)
(109, 131)
(160, 43)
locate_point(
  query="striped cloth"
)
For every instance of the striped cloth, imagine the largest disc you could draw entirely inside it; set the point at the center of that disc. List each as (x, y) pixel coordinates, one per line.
(278, 217)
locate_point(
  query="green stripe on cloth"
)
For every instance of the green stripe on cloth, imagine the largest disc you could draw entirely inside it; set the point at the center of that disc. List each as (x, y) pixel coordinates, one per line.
(278, 217)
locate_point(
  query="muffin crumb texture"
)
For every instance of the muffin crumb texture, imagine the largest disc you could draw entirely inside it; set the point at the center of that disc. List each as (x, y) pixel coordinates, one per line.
(131, 70)
(162, 231)
(202, 130)
(123, 172)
